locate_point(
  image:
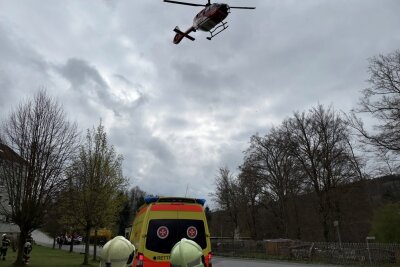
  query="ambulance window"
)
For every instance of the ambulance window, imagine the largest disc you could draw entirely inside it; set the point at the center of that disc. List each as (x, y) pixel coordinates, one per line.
(176, 199)
(163, 234)
(194, 230)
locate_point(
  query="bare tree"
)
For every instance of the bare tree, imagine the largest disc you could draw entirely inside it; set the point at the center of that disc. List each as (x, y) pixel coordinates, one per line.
(39, 133)
(96, 185)
(319, 141)
(136, 199)
(250, 187)
(226, 195)
(382, 101)
(280, 175)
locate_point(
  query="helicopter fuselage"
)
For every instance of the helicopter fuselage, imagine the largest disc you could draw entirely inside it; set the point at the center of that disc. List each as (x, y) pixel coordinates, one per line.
(209, 19)
(210, 16)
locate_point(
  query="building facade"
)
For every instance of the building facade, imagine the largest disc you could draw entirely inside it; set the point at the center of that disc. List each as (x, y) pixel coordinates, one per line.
(6, 224)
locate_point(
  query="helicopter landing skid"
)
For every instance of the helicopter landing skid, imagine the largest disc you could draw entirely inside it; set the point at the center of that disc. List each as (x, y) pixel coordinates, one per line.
(222, 27)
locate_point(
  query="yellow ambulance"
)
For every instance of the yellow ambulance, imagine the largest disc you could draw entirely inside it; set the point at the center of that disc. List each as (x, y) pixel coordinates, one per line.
(163, 221)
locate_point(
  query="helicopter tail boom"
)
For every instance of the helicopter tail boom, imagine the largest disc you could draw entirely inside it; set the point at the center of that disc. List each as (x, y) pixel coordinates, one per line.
(179, 35)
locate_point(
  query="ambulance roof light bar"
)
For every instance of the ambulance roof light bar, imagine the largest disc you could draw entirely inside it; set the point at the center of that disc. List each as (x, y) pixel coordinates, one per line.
(153, 199)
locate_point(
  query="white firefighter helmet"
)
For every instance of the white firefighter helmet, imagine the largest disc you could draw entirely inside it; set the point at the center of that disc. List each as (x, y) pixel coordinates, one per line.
(186, 253)
(118, 252)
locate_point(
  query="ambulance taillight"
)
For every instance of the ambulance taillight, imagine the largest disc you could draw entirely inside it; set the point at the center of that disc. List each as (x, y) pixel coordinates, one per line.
(209, 258)
(140, 258)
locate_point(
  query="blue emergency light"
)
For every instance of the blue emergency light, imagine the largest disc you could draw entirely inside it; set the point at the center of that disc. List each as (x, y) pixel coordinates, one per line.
(150, 199)
(201, 201)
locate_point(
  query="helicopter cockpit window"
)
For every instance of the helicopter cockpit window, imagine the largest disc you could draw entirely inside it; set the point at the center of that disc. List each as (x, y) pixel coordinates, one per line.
(201, 13)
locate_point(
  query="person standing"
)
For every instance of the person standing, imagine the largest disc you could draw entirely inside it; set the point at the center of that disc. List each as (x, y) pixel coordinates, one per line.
(118, 252)
(187, 253)
(59, 242)
(5, 243)
(27, 251)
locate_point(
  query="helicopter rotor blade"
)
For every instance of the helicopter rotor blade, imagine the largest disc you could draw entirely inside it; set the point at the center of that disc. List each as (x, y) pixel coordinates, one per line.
(182, 3)
(242, 7)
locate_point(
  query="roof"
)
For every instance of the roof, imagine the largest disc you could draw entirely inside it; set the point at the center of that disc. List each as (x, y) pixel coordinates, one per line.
(9, 228)
(153, 199)
(6, 153)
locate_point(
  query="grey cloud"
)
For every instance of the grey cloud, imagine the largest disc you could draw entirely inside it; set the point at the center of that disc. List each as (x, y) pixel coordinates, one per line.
(176, 123)
(198, 82)
(143, 143)
(141, 147)
(15, 51)
(80, 73)
(6, 90)
(137, 87)
(205, 85)
(123, 79)
(111, 3)
(22, 69)
(88, 81)
(161, 151)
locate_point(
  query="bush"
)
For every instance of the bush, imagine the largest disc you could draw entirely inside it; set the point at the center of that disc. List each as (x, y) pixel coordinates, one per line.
(385, 224)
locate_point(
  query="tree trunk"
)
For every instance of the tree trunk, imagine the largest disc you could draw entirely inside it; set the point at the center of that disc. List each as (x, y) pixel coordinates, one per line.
(324, 216)
(254, 223)
(95, 245)
(71, 245)
(325, 228)
(21, 242)
(87, 244)
(297, 220)
(283, 217)
(324, 212)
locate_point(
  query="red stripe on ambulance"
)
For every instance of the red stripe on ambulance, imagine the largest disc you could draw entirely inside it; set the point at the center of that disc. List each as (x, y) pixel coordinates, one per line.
(175, 207)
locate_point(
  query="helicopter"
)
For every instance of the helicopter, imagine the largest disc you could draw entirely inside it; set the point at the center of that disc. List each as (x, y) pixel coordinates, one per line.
(210, 19)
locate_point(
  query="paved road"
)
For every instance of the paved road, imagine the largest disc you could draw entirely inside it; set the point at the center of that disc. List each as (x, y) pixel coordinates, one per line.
(229, 262)
(44, 240)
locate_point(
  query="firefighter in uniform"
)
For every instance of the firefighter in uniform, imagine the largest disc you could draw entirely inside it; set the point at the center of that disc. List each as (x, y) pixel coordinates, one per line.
(5, 243)
(118, 252)
(187, 253)
(27, 251)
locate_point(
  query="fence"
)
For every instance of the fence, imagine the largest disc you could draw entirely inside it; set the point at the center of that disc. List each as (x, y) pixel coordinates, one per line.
(345, 254)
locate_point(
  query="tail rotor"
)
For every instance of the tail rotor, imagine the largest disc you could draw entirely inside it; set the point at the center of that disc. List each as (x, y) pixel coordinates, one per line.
(179, 35)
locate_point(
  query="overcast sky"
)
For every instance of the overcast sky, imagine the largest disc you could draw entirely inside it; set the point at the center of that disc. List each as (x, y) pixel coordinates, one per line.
(177, 113)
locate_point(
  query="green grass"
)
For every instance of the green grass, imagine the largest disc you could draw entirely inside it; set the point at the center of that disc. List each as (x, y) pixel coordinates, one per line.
(48, 257)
